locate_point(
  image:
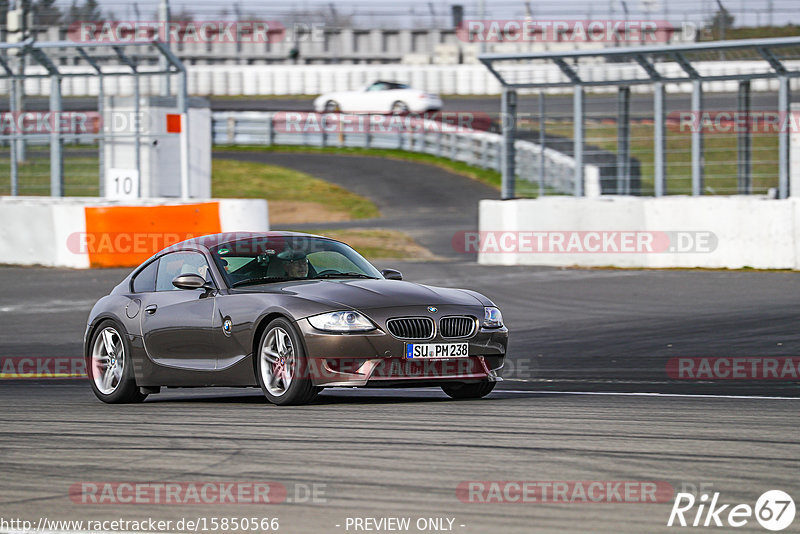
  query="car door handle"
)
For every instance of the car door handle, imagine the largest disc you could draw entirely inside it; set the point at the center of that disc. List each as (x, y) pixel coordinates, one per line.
(150, 310)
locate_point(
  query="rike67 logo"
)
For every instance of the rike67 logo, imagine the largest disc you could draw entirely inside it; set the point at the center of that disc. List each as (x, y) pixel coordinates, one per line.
(774, 510)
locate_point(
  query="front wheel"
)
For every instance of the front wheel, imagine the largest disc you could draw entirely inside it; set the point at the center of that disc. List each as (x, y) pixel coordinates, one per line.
(399, 108)
(110, 366)
(460, 390)
(282, 368)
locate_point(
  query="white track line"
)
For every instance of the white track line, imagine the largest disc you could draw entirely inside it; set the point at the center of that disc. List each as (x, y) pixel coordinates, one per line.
(629, 394)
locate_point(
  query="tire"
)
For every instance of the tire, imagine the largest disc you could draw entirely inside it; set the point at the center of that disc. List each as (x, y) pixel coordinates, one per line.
(281, 365)
(332, 106)
(400, 108)
(460, 390)
(110, 365)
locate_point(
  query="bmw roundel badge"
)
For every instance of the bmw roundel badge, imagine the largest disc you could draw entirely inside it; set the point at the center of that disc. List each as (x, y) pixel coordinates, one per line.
(433, 309)
(227, 326)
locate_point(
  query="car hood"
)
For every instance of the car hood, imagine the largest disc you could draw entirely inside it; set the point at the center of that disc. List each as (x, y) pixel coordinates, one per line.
(365, 294)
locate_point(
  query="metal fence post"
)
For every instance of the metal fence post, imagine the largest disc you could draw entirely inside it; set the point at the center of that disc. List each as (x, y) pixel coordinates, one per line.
(101, 144)
(542, 141)
(56, 153)
(230, 130)
(578, 119)
(13, 148)
(744, 141)
(183, 106)
(783, 136)
(623, 139)
(509, 118)
(697, 138)
(453, 148)
(270, 131)
(19, 105)
(659, 143)
(144, 190)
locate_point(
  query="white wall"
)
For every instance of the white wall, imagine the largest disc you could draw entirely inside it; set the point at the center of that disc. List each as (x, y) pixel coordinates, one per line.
(47, 231)
(748, 231)
(36, 232)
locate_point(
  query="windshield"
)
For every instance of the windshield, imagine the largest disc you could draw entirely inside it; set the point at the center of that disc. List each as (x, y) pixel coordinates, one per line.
(265, 260)
(386, 86)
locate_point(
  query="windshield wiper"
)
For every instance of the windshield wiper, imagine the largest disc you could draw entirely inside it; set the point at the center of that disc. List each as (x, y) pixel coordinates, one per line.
(345, 275)
(263, 280)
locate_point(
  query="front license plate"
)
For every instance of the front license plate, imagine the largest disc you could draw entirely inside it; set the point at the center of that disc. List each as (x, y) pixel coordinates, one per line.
(437, 350)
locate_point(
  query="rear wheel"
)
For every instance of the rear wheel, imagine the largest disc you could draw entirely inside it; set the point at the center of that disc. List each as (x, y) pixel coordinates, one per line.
(460, 390)
(282, 368)
(110, 366)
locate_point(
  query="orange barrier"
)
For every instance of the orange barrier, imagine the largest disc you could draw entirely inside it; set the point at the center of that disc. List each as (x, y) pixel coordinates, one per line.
(124, 236)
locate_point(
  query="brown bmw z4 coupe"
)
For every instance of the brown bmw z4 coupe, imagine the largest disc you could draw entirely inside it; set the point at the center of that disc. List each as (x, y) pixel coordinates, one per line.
(292, 314)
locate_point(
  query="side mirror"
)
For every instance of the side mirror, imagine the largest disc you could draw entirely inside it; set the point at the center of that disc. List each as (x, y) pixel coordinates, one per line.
(190, 281)
(392, 274)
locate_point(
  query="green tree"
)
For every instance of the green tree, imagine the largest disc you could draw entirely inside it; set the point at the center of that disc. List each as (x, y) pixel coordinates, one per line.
(721, 21)
(47, 13)
(89, 10)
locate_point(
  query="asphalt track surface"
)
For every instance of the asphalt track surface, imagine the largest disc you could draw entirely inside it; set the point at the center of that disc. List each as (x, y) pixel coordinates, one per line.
(403, 453)
(427, 202)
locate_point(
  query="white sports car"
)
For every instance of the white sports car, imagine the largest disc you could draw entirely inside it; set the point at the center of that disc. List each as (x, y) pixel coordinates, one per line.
(379, 97)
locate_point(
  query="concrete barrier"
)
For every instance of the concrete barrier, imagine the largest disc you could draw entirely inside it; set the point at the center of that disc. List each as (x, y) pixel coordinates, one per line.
(91, 232)
(676, 231)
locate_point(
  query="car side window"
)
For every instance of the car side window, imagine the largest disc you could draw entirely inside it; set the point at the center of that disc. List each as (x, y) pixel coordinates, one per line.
(145, 280)
(377, 86)
(175, 263)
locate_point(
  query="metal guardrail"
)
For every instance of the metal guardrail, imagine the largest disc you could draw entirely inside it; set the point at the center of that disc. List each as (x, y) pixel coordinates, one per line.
(479, 148)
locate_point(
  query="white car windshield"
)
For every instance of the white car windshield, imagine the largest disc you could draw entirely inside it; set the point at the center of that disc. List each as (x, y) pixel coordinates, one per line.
(281, 258)
(386, 86)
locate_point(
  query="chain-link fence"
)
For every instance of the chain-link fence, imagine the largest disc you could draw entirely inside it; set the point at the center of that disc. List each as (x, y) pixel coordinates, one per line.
(664, 120)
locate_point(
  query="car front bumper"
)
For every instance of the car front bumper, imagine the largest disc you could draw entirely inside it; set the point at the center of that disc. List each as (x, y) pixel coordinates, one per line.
(377, 358)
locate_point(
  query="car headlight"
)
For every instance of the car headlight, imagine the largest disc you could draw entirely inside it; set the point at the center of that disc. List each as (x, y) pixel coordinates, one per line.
(341, 321)
(492, 318)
